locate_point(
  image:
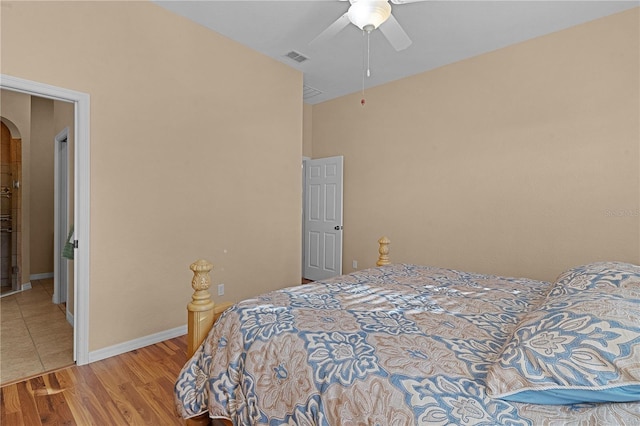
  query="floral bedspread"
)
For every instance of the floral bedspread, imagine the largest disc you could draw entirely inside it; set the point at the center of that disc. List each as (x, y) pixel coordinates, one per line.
(396, 345)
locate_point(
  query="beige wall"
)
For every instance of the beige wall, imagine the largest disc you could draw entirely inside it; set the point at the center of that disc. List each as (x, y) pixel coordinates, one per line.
(195, 152)
(42, 191)
(523, 161)
(48, 118)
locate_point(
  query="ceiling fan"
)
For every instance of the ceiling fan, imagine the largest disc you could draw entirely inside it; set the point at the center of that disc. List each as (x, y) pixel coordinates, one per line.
(369, 15)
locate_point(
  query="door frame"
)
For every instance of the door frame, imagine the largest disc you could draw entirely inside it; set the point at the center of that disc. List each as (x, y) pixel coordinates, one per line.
(304, 198)
(61, 216)
(339, 159)
(81, 188)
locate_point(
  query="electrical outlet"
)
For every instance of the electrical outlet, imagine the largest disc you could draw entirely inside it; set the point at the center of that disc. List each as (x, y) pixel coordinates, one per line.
(220, 289)
(355, 264)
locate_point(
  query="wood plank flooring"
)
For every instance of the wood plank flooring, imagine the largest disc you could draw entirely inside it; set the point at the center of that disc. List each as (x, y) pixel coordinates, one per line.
(135, 388)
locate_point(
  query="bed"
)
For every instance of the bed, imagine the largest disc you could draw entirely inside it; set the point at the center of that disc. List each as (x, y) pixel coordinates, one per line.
(403, 344)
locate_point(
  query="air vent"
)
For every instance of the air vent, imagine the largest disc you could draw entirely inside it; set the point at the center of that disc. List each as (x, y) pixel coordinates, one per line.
(298, 57)
(309, 92)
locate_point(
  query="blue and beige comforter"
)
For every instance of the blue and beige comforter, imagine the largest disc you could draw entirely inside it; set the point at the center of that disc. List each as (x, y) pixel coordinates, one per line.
(416, 345)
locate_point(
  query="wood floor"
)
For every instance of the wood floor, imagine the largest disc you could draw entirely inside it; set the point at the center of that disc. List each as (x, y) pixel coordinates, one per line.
(135, 388)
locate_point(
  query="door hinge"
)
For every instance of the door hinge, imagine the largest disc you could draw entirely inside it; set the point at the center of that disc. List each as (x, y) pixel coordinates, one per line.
(75, 243)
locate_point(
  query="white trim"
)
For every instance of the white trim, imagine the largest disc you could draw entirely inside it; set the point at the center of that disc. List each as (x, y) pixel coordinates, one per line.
(70, 318)
(60, 214)
(304, 192)
(42, 276)
(23, 287)
(9, 293)
(134, 344)
(82, 194)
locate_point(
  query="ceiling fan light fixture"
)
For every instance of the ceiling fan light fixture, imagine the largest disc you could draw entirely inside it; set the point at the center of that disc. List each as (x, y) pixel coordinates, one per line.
(369, 14)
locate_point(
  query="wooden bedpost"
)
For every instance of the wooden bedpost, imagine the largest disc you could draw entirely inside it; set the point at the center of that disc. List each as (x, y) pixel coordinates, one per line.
(200, 309)
(202, 313)
(383, 259)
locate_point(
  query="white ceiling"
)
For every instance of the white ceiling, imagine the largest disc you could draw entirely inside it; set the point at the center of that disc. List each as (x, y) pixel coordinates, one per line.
(442, 32)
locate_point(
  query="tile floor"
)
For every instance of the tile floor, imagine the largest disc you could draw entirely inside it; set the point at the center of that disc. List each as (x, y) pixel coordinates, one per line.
(35, 336)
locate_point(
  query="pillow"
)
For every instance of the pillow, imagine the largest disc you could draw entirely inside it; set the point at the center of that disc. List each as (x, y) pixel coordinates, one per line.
(581, 344)
(603, 275)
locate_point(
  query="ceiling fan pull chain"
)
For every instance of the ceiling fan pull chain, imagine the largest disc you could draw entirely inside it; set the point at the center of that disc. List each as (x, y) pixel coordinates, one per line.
(368, 54)
(362, 101)
(368, 60)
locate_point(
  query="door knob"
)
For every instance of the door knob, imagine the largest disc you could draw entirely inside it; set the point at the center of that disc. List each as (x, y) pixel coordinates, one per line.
(337, 227)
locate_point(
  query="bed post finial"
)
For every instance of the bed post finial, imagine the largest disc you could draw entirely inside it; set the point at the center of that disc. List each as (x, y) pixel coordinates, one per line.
(200, 309)
(383, 259)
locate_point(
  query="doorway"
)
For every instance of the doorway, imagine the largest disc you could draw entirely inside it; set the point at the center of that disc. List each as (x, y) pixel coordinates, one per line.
(39, 331)
(81, 195)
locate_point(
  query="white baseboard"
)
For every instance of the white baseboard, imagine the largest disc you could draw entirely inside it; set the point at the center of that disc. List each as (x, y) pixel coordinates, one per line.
(23, 287)
(42, 276)
(70, 318)
(132, 345)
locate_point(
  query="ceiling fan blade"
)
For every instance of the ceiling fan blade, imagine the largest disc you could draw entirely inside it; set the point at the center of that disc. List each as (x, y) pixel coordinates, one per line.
(333, 29)
(395, 34)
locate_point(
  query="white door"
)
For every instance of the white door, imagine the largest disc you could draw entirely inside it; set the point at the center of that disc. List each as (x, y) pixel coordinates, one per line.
(323, 218)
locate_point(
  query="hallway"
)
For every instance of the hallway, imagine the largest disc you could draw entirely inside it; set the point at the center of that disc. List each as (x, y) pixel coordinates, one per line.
(35, 336)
